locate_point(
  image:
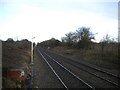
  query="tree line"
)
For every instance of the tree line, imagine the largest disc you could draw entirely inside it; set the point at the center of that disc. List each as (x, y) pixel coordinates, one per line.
(82, 38)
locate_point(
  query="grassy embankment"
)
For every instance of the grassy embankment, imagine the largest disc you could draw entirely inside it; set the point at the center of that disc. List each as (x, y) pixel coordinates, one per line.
(107, 57)
(15, 54)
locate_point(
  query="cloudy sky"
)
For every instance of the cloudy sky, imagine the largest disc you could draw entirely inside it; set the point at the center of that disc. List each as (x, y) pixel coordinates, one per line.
(44, 19)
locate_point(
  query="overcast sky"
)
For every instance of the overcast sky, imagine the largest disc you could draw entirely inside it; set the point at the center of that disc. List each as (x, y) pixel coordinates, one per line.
(45, 19)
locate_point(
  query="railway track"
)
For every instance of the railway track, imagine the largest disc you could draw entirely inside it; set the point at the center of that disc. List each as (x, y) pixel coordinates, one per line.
(103, 71)
(106, 76)
(67, 78)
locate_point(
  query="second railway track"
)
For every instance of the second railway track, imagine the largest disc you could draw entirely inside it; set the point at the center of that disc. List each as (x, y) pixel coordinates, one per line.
(106, 76)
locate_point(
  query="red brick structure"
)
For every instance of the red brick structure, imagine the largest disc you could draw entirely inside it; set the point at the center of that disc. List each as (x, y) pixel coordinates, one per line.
(15, 74)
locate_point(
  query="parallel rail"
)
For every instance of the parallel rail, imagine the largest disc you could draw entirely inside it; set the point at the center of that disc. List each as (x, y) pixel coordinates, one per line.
(106, 72)
(112, 82)
(75, 64)
(68, 71)
(53, 70)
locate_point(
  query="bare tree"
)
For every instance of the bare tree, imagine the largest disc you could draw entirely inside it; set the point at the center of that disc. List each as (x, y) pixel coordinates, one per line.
(84, 37)
(80, 39)
(69, 39)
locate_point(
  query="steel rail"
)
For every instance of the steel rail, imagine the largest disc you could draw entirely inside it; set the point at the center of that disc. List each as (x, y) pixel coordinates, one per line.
(70, 72)
(114, 75)
(95, 68)
(96, 75)
(53, 70)
(106, 72)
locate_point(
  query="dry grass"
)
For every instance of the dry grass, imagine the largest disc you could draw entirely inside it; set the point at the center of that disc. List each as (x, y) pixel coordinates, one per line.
(15, 54)
(106, 58)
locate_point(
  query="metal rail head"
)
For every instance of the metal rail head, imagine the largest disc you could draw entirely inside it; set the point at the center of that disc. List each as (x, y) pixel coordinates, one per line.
(70, 72)
(98, 76)
(95, 68)
(89, 72)
(53, 70)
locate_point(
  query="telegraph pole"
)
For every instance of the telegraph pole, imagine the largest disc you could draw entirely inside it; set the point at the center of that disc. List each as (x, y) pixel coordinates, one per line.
(32, 50)
(32, 68)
